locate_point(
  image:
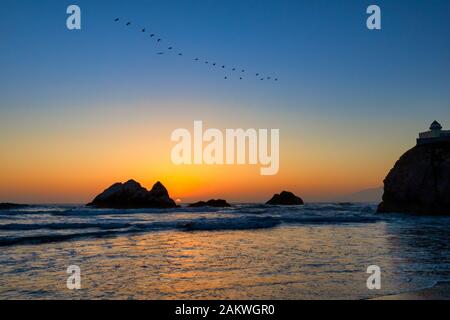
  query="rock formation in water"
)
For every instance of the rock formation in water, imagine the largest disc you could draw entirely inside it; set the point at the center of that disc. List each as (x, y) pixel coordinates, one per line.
(285, 198)
(211, 203)
(420, 181)
(131, 195)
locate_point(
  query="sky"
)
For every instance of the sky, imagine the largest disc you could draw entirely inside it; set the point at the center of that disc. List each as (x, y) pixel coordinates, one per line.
(82, 109)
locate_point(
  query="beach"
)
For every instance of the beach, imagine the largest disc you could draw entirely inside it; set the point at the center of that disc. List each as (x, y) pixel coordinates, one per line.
(440, 291)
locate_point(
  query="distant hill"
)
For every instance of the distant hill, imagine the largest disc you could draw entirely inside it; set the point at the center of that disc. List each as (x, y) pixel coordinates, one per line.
(366, 195)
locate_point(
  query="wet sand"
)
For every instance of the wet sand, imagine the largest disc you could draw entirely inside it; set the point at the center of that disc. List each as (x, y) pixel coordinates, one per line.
(441, 291)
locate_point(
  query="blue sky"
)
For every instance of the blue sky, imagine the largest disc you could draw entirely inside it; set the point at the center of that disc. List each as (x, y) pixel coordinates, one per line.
(320, 50)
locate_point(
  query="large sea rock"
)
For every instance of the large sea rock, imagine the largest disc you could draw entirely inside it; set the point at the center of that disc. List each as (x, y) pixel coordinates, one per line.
(285, 198)
(220, 203)
(131, 195)
(420, 181)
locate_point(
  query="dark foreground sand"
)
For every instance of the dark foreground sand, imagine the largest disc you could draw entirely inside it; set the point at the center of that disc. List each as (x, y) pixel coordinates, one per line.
(441, 291)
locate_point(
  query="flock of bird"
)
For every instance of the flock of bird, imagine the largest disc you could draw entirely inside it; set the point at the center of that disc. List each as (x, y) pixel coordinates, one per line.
(239, 72)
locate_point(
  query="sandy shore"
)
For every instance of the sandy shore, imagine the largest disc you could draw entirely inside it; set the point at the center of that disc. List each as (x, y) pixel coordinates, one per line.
(441, 291)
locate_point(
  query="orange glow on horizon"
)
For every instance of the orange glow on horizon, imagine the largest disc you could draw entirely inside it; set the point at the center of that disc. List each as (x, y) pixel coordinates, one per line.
(73, 163)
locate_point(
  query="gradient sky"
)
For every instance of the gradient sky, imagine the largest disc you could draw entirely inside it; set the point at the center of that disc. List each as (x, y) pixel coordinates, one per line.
(80, 110)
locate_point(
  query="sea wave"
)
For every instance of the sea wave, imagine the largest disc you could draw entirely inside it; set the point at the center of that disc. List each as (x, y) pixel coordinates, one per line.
(243, 223)
(113, 229)
(73, 223)
(40, 239)
(62, 226)
(330, 220)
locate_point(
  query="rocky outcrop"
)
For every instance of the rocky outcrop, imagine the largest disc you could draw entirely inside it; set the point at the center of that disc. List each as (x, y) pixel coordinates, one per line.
(211, 203)
(131, 195)
(285, 198)
(420, 181)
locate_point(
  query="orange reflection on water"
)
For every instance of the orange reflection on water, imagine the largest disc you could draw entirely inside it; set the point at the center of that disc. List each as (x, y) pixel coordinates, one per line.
(280, 263)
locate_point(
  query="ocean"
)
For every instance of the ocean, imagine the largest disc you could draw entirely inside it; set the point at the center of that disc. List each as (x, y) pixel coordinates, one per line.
(248, 251)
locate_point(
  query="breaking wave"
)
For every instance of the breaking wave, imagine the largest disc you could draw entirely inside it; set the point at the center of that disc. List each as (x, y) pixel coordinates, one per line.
(37, 225)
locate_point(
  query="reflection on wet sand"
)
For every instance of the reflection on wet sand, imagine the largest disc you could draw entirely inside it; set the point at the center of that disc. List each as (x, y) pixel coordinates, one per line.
(295, 262)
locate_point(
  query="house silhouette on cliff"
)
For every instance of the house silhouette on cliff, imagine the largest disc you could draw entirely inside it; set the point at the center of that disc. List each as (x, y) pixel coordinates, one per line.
(435, 134)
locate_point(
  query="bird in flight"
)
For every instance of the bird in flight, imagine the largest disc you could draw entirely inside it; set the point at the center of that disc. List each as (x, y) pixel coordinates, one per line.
(197, 59)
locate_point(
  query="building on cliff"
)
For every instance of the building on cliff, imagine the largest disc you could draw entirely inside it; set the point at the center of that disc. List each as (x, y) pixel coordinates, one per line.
(435, 134)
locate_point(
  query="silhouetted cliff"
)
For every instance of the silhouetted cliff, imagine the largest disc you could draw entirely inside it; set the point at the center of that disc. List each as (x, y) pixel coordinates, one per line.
(420, 181)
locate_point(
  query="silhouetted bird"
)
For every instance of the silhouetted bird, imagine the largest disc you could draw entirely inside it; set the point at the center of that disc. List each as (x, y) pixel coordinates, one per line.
(233, 69)
(128, 23)
(196, 59)
(268, 78)
(160, 53)
(180, 54)
(262, 78)
(240, 78)
(225, 78)
(214, 64)
(159, 40)
(242, 70)
(170, 48)
(223, 67)
(152, 35)
(276, 79)
(257, 74)
(143, 30)
(117, 19)
(206, 62)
